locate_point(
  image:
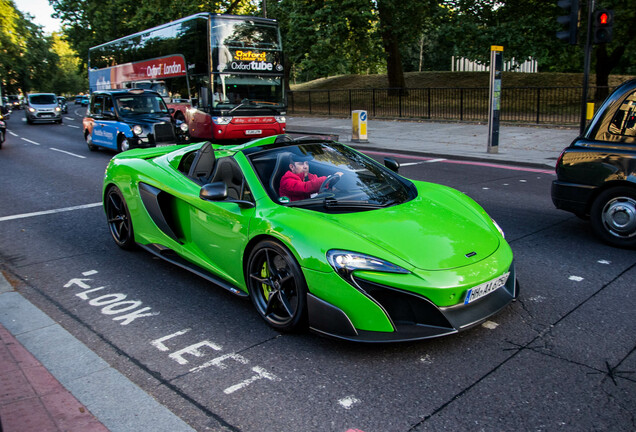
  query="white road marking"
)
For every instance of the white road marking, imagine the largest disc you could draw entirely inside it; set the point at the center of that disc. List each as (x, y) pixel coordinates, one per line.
(68, 153)
(422, 162)
(490, 325)
(606, 262)
(73, 126)
(47, 212)
(576, 278)
(69, 118)
(29, 141)
(348, 402)
(13, 133)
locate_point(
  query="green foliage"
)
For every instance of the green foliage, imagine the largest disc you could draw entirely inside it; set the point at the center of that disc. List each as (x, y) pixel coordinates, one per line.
(26, 60)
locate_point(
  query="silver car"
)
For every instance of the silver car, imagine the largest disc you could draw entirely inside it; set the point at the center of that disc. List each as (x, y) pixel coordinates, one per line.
(42, 107)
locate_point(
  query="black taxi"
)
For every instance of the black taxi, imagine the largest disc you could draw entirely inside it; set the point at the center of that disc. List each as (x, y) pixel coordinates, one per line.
(596, 174)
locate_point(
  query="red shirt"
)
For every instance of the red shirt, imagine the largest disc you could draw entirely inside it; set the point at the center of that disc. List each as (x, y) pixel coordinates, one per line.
(295, 188)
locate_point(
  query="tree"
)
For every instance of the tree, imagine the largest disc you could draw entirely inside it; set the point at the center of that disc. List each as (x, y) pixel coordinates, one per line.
(400, 24)
(26, 60)
(612, 56)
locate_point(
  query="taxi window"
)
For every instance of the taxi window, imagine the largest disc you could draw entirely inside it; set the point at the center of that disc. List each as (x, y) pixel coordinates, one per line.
(623, 123)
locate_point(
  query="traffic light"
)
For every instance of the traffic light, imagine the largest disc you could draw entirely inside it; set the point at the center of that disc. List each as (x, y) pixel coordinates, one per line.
(602, 26)
(571, 21)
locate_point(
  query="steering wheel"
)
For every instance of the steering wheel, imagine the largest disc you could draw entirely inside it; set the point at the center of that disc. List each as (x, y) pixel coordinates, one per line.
(329, 183)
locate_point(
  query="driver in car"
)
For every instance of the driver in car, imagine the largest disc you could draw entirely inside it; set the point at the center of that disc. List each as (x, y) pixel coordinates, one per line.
(298, 183)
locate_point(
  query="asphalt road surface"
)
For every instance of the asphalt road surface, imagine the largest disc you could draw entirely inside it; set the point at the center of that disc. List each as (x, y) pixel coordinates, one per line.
(561, 358)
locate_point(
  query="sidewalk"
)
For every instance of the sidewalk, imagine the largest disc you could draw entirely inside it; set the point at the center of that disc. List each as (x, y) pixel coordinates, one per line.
(44, 388)
(51, 382)
(526, 145)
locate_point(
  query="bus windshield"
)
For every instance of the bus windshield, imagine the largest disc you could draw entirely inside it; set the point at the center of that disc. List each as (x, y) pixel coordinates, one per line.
(247, 70)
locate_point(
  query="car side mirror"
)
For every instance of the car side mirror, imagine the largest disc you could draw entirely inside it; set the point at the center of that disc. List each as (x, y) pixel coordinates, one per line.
(213, 191)
(392, 164)
(108, 115)
(217, 191)
(171, 110)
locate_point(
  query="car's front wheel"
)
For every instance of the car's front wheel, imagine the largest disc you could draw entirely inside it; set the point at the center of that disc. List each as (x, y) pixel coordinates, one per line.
(118, 218)
(123, 144)
(89, 141)
(277, 287)
(613, 216)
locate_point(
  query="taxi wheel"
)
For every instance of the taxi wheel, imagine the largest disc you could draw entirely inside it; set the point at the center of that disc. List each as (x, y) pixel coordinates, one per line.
(277, 287)
(613, 216)
(123, 144)
(89, 141)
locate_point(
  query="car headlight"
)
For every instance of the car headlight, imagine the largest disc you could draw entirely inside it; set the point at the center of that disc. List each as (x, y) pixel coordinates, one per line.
(58, 109)
(183, 127)
(31, 109)
(137, 130)
(221, 120)
(498, 228)
(346, 262)
(280, 119)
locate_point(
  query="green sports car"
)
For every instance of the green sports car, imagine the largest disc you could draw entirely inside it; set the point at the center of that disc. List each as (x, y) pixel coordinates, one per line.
(348, 249)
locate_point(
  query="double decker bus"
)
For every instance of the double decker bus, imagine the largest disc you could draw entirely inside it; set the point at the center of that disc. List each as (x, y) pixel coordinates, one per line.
(222, 74)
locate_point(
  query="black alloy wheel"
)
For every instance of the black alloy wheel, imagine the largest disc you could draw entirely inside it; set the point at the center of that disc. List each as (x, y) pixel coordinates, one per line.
(613, 216)
(277, 287)
(118, 218)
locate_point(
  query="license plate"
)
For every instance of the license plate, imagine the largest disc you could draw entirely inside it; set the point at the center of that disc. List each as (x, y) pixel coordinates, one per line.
(486, 288)
(253, 132)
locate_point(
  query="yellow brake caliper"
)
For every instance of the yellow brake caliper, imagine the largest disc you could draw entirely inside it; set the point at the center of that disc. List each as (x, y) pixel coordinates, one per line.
(266, 288)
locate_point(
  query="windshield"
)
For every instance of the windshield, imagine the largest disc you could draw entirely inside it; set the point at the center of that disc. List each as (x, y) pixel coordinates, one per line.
(327, 176)
(43, 99)
(245, 91)
(140, 104)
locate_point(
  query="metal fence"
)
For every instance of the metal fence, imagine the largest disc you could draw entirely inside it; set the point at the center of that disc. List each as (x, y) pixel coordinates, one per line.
(536, 105)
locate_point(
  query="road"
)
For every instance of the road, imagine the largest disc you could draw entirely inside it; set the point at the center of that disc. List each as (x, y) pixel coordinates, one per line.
(563, 357)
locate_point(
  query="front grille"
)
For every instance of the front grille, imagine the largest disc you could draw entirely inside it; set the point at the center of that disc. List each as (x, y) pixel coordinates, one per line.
(164, 132)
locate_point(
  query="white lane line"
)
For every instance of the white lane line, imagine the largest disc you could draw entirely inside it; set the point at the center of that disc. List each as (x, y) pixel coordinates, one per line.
(13, 133)
(69, 118)
(29, 141)
(73, 126)
(68, 153)
(47, 212)
(421, 162)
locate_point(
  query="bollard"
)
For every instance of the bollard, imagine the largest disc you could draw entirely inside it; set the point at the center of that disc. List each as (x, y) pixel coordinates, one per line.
(590, 111)
(359, 126)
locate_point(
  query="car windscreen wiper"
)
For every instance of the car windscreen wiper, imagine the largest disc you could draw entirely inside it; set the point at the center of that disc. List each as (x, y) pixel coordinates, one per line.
(353, 204)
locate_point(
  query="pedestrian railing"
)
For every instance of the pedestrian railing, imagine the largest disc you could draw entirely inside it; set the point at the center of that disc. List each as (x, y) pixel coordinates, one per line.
(536, 105)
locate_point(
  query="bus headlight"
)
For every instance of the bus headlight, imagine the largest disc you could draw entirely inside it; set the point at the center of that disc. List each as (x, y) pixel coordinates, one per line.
(221, 120)
(137, 130)
(281, 119)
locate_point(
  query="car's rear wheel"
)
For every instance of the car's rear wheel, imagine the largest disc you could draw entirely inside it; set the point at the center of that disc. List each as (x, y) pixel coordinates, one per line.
(89, 141)
(118, 218)
(277, 287)
(613, 216)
